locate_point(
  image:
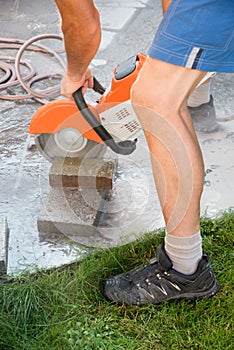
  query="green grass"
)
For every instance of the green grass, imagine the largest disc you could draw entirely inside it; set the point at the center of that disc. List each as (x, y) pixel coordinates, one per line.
(63, 309)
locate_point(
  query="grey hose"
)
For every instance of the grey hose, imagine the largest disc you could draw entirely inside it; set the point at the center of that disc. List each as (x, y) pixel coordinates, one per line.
(12, 74)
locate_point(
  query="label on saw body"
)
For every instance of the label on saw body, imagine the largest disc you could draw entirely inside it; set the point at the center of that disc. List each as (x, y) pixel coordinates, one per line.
(121, 121)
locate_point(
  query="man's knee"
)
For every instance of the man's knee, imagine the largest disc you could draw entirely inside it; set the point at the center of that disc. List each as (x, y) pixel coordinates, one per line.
(153, 98)
(162, 86)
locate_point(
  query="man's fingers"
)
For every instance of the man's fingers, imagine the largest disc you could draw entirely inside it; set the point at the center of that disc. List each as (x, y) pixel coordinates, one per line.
(69, 85)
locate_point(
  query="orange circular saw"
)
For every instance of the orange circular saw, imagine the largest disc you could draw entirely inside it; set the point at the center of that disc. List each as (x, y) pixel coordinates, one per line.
(67, 128)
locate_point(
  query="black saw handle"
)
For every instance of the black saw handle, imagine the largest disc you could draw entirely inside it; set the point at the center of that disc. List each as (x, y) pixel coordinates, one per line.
(122, 147)
(97, 87)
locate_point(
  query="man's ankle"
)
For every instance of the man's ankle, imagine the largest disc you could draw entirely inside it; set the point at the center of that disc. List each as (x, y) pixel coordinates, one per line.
(184, 252)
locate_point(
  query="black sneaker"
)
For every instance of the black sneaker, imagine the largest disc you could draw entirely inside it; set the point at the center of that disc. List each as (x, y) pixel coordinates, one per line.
(204, 117)
(158, 282)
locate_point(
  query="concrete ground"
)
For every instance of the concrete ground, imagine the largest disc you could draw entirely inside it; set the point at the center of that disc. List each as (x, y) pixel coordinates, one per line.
(128, 28)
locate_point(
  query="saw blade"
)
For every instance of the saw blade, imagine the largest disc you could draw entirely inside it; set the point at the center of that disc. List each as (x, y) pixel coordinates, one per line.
(48, 146)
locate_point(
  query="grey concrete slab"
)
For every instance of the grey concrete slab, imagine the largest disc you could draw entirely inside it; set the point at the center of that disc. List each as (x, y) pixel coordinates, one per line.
(73, 213)
(4, 236)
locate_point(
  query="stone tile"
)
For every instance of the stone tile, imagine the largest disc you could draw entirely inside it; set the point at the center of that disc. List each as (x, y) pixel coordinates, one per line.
(7, 9)
(107, 38)
(83, 173)
(122, 3)
(71, 212)
(115, 20)
(36, 8)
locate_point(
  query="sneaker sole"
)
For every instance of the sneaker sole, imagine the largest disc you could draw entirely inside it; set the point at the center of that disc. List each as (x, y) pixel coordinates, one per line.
(185, 296)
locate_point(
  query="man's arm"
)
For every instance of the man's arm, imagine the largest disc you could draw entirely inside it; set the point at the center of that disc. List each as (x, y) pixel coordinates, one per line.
(82, 35)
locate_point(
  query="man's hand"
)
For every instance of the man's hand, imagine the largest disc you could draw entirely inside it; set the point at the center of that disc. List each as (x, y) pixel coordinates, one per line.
(70, 83)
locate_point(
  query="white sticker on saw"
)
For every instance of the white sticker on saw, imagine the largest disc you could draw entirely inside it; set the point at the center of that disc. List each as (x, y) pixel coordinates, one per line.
(121, 121)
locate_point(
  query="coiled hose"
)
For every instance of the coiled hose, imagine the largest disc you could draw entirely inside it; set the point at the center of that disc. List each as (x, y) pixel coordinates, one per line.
(12, 77)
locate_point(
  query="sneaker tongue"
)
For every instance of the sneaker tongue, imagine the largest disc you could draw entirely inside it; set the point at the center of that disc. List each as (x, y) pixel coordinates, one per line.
(163, 259)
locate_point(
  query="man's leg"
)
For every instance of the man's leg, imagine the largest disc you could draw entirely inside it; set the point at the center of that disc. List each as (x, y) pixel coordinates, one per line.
(159, 97)
(181, 270)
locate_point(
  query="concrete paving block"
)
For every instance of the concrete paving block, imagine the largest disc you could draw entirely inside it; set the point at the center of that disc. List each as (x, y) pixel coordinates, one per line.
(36, 9)
(115, 20)
(71, 212)
(4, 235)
(107, 38)
(83, 173)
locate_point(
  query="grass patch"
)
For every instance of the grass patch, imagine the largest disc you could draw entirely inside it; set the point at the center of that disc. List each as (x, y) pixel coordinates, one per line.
(63, 309)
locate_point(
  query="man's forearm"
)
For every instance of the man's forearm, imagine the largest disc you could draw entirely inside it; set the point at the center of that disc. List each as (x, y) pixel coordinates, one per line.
(82, 33)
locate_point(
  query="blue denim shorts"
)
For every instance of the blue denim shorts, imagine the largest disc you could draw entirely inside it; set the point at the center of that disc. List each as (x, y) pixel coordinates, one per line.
(197, 34)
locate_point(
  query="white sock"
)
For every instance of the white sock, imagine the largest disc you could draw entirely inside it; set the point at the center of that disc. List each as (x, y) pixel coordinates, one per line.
(200, 95)
(184, 252)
